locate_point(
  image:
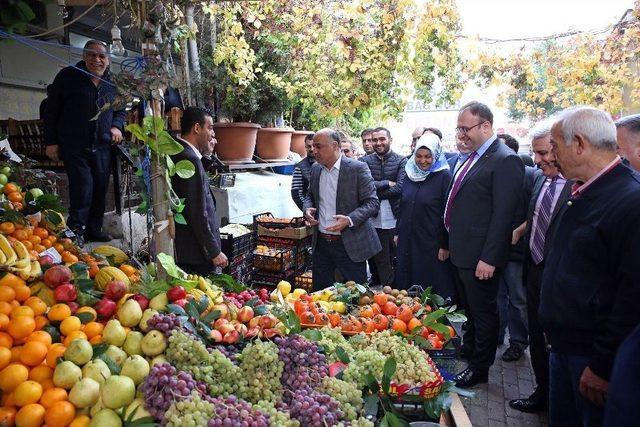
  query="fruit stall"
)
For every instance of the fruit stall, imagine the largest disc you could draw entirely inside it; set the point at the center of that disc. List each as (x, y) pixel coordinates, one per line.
(96, 337)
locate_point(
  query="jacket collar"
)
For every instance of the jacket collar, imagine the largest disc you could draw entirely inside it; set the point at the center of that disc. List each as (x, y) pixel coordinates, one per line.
(83, 65)
(386, 156)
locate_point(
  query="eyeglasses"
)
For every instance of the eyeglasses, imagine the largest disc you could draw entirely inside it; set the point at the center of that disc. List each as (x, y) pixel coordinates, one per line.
(462, 130)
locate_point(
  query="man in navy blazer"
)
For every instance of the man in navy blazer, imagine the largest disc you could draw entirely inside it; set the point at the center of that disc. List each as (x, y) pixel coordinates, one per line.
(479, 219)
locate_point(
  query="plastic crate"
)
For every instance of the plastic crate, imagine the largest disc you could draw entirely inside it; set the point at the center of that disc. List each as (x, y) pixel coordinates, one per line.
(269, 280)
(275, 261)
(304, 281)
(237, 246)
(267, 220)
(446, 358)
(240, 267)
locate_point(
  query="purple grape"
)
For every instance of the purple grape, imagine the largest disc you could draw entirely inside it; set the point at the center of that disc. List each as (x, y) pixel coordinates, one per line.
(305, 364)
(232, 411)
(165, 323)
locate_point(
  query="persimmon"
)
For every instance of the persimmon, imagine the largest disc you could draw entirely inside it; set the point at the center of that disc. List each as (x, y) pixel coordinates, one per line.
(334, 319)
(375, 307)
(380, 299)
(380, 322)
(399, 325)
(390, 309)
(413, 324)
(404, 313)
(366, 312)
(307, 318)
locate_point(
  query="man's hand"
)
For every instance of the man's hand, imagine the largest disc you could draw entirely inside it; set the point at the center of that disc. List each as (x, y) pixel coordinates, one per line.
(342, 222)
(309, 216)
(484, 271)
(518, 233)
(221, 260)
(392, 184)
(395, 240)
(593, 387)
(443, 254)
(53, 152)
(116, 135)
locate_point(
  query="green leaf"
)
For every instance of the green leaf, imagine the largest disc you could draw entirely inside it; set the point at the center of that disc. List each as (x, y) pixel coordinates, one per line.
(387, 373)
(211, 316)
(192, 309)
(175, 308)
(456, 317)
(371, 405)
(84, 285)
(185, 169)
(85, 317)
(342, 354)
(86, 299)
(312, 335)
(203, 304)
(99, 349)
(293, 322)
(25, 11)
(137, 131)
(437, 300)
(153, 125)
(171, 167)
(372, 383)
(433, 317)
(393, 420)
(165, 144)
(113, 366)
(179, 219)
(443, 329)
(260, 310)
(169, 265)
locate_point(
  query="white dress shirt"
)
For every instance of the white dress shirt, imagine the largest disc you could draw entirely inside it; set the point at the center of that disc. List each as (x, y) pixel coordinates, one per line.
(195, 150)
(328, 192)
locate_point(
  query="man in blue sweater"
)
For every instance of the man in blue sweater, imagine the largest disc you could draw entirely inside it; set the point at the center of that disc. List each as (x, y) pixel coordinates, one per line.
(590, 296)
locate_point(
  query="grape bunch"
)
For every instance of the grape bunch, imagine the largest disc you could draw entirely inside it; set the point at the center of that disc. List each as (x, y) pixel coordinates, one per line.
(312, 408)
(231, 411)
(193, 411)
(261, 369)
(231, 352)
(364, 362)
(165, 323)
(220, 375)
(359, 422)
(276, 417)
(164, 385)
(347, 394)
(331, 339)
(305, 364)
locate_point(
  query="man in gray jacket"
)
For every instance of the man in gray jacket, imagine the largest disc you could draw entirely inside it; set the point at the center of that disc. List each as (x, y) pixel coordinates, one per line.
(341, 202)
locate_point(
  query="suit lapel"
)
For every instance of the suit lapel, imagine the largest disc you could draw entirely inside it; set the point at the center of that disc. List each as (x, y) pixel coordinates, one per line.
(481, 161)
(564, 195)
(537, 187)
(342, 179)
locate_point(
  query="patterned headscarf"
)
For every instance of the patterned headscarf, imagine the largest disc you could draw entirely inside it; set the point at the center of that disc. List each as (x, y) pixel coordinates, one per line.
(431, 142)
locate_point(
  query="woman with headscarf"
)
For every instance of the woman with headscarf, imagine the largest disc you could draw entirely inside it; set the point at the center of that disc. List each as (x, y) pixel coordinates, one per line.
(421, 259)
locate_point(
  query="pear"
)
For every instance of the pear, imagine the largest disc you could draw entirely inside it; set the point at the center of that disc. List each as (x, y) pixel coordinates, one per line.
(159, 302)
(114, 333)
(116, 354)
(146, 315)
(130, 313)
(136, 407)
(84, 393)
(132, 343)
(136, 368)
(97, 370)
(97, 407)
(106, 418)
(158, 359)
(153, 343)
(79, 351)
(117, 391)
(66, 374)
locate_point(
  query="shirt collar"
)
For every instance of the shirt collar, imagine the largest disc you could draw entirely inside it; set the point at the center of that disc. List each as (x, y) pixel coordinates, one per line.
(484, 147)
(336, 165)
(195, 150)
(578, 189)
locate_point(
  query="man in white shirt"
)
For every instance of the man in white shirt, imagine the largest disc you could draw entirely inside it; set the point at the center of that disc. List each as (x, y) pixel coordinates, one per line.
(341, 202)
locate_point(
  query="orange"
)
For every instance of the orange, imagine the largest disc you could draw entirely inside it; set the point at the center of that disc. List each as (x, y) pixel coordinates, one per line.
(47, 384)
(128, 269)
(5, 307)
(15, 354)
(20, 235)
(58, 247)
(59, 312)
(7, 227)
(37, 305)
(30, 416)
(399, 325)
(55, 351)
(7, 416)
(88, 310)
(14, 303)
(80, 421)
(7, 400)
(10, 188)
(72, 336)
(26, 393)
(68, 257)
(21, 326)
(40, 373)
(7, 294)
(4, 322)
(52, 396)
(35, 240)
(41, 321)
(12, 376)
(92, 329)
(27, 244)
(11, 280)
(53, 238)
(6, 340)
(5, 357)
(96, 340)
(60, 414)
(413, 323)
(40, 232)
(22, 293)
(69, 325)
(39, 248)
(33, 353)
(40, 336)
(14, 196)
(22, 310)
(47, 243)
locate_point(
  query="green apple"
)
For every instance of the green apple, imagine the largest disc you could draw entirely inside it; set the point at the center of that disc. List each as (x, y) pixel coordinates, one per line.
(5, 170)
(36, 192)
(3, 179)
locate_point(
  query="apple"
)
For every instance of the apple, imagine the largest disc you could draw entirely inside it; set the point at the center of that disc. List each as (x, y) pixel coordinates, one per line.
(245, 314)
(181, 302)
(231, 337)
(142, 300)
(73, 306)
(215, 335)
(267, 321)
(241, 328)
(252, 332)
(255, 322)
(115, 289)
(219, 322)
(105, 308)
(226, 328)
(176, 293)
(57, 275)
(45, 260)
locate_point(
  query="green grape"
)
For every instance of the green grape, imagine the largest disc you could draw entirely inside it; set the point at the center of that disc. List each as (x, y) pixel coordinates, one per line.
(190, 412)
(261, 368)
(364, 362)
(360, 422)
(331, 339)
(347, 394)
(276, 418)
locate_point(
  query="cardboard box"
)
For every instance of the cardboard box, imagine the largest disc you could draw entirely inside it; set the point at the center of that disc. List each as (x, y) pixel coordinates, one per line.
(286, 233)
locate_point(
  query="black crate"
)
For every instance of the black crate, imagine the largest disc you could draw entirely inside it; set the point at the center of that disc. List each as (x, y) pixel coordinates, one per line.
(240, 267)
(270, 280)
(301, 249)
(446, 358)
(277, 261)
(237, 246)
(267, 220)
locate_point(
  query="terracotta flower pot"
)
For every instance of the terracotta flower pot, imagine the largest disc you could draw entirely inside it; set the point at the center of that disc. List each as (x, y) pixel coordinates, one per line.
(236, 141)
(273, 143)
(297, 142)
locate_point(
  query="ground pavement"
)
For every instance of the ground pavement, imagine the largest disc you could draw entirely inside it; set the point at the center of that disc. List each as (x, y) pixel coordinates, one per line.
(507, 380)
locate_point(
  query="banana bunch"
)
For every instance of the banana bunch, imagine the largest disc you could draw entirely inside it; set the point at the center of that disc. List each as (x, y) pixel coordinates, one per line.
(16, 258)
(214, 294)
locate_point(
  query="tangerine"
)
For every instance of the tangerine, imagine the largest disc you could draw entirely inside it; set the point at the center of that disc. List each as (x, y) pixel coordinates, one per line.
(15, 353)
(59, 312)
(7, 415)
(47, 384)
(37, 305)
(21, 326)
(11, 280)
(47, 243)
(7, 294)
(80, 421)
(41, 322)
(69, 325)
(74, 335)
(35, 240)
(55, 351)
(13, 375)
(53, 395)
(31, 415)
(5, 308)
(40, 373)
(26, 393)
(5, 357)
(6, 340)
(96, 340)
(33, 353)
(4, 322)
(15, 197)
(92, 329)
(20, 235)
(22, 310)
(10, 188)
(41, 232)
(7, 227)
(60, 414)
(23, 293)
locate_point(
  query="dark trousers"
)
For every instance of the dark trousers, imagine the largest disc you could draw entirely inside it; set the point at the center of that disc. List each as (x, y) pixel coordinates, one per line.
(478, 298)
(331, 255)
(382, 259)
(567, 406)
(88, 172)
(537, 342)
(512, 305)
(200, 269)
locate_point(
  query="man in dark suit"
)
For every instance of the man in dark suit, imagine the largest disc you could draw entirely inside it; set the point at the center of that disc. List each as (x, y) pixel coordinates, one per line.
(341, 202)
(590, 294)
(198, 242)
(479, 219)
(456, 160)
(548, 199)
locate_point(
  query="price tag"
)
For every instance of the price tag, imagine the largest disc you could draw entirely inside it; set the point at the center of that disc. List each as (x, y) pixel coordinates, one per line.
(53, 254)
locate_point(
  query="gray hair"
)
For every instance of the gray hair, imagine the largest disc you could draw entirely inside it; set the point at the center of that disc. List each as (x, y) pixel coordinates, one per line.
(334, 135)
(541, 130)
(631, 123)
(595, 125)
(87, 46)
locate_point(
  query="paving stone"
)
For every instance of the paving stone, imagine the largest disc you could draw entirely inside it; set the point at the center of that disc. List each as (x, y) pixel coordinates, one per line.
(525, 387)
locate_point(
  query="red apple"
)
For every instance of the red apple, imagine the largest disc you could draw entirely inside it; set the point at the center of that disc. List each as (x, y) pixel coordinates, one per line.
(115, 290)
(175, 293)
(181, 302)
(267, 321)
(219, 322)
(215, 335)
(141, 300)
(45, 260)
(73, 306)
(252, 332)
(225, 328)
(65, 292)
(241, 328)
(57, 275)
(105, 308)
(245, 314)
(270, 333)
(255, 322)
(231, 337)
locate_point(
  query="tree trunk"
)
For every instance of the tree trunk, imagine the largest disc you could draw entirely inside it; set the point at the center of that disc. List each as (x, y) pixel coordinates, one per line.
(194, 58)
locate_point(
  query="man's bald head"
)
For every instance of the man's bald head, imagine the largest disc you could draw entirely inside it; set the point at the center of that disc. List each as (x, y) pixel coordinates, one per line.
(326, 146)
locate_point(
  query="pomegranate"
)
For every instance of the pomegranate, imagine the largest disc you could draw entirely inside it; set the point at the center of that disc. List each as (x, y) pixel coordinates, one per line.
(105, 308)
(57, 275)
(45, 260)
(141, 300)
(115, 290)
(65, 292)
(231, 337)
(176, 293)
(73, 306)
